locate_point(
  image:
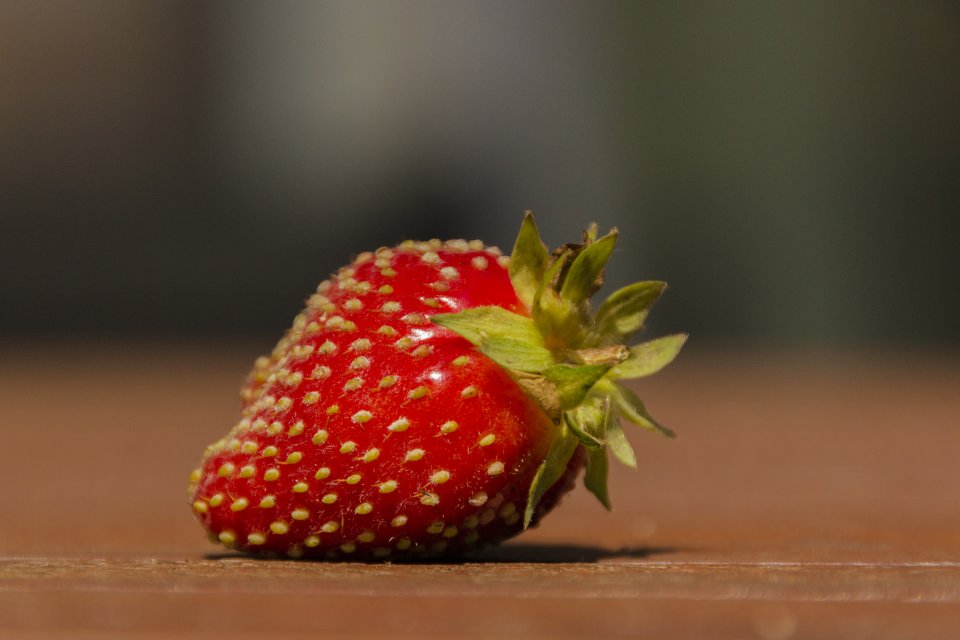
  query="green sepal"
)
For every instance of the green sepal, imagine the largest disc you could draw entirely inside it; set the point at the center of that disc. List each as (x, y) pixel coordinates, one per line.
(647, 358)
(554, 315)
(622, 314)
(632, 408)
(490, 322)
(509, 339)
(552, 469)
(617, 441)
(585, 275)
(588, 422)
(573, 383)
(595, 478)
(517, 355)
(528, 262)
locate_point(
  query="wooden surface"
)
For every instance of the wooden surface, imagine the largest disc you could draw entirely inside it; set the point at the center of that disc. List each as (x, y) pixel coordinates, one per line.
(805, 498)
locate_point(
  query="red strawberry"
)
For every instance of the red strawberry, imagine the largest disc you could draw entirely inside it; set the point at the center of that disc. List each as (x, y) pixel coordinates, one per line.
(432, 398)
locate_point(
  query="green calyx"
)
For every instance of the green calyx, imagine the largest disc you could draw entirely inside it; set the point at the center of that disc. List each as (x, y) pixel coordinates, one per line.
(570, 360)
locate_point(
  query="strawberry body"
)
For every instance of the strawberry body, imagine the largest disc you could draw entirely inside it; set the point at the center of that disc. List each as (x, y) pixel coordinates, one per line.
(372, 432)
(433, 398)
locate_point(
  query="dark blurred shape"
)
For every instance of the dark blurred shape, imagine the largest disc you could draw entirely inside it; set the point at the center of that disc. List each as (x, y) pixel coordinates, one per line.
(182, 168)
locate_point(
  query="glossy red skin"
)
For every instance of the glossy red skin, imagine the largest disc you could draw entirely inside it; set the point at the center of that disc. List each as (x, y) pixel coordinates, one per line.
(500, 408)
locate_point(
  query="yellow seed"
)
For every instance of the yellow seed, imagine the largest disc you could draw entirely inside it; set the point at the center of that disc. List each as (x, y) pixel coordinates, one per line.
(227, 537)
(239, 504)
(388, 381)
(469, 392)
(387, 330)
(398, 521)
(495, 468)
(353, 479)
(361, 344)
(399, 425)
(371, 455)
(320, 436)
(386, 487)
(332, 409)
(487, 440)
(348, 547)
(322, 473)
(200, 506)
(330, 527)
(430, 499)
(300, 514)
(435, 527)
(330, 498)
(366, 536)
(216, 500)
(403, 544)
(363, 508)
(361, 416)
(385, 290)
(320, 372)
(311, 541)
(414, 455)
(461, 361)
(353, 384)
(248, 471)
(268, 502)
(226, 469)
(275, 428)
(294, 457)
(301, 487)
(256, 538)
(450, 532)
(449, 426)
(269, 451)
(249, 447)
(271, 474)
(327, 347)
(196, 474)
(279, 527)
(440, 477)
(418, 393)
(311, 397)
(348, 447)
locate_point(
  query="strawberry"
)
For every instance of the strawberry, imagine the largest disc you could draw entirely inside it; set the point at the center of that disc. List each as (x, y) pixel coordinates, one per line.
(432, 398)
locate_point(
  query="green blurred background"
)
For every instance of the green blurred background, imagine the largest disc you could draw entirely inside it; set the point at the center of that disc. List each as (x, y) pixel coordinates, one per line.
(193, 169)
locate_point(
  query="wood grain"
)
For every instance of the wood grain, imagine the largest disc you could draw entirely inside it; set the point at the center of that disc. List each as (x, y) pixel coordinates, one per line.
(806, 497)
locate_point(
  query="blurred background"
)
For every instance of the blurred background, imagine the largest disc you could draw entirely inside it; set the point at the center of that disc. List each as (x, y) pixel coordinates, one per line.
(194, 169)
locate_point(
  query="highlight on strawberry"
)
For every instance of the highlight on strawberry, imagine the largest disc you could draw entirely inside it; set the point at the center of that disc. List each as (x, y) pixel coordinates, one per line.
(433, 398)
